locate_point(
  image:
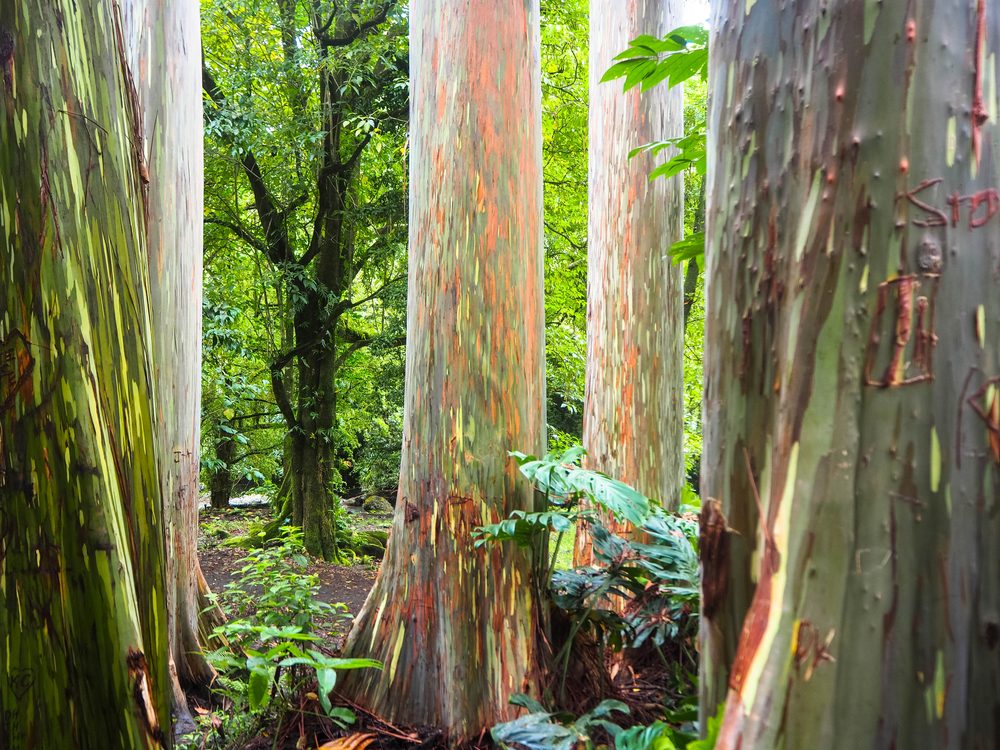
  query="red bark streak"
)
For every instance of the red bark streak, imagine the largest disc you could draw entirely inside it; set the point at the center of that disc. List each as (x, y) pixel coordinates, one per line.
(754, 626)
(979, 115)
(989, 412)
(903, 291)
(894, 372)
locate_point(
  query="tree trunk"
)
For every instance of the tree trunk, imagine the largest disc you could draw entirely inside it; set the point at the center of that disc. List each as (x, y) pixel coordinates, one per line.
(222, 475)
(312, 498)
(455, 625)
(852, 446)
(82, 602)
(634, 402)
(161, 42)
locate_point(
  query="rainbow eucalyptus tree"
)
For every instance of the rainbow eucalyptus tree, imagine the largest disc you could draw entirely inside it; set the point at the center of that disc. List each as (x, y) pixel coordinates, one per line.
(852, 413)
(454, 625)
(633, 406)
(83, 613)
(159, 37)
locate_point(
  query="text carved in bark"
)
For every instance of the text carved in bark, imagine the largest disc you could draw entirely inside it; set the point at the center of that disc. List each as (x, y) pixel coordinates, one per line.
(908, 351)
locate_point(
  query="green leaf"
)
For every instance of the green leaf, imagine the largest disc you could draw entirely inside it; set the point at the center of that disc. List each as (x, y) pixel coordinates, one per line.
(695, 34)
(535, 731)
(690, 248)
(260, 683)
(343, 716)
(639, 72)
(327, 679)
(621, 69)
(526, 701)
(712, 736)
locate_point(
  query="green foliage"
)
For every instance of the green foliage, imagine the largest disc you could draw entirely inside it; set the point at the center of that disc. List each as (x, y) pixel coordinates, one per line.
(541, 730)
(679, 57)
(271, 68)
(659, 578)
(565, 96)
(273, 654)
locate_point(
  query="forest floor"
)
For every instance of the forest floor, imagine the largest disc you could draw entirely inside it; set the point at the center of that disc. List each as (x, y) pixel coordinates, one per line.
(221, 562)
(640, 683)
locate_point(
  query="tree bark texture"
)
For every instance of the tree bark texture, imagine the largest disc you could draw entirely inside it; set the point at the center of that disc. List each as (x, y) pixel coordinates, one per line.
(161, 39)
(851, 588)
(634, 401)
(454, 625)
(83, 617)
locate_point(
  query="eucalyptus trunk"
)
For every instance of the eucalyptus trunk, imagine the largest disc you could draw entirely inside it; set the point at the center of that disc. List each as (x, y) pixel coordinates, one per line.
(633, 406)
(83, 612)
(453, 624)
(160, 40)
(852, 412)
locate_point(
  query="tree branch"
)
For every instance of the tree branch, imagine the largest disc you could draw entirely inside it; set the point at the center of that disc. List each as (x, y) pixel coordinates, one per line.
(358, 30)
(239, 231)
(270, 216)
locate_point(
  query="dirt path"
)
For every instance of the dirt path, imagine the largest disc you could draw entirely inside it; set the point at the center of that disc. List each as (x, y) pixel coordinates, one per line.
(348, 584)
(338, 583)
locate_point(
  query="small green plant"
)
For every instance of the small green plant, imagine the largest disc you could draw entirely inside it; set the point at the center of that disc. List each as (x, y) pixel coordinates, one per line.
(542, 730)
(658, 579)
(273, 654)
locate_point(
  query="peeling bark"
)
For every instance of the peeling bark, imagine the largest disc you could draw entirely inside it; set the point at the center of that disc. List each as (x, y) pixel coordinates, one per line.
(161, 44)
(83, 615)
(454, 625)
(851, 361)
(633, 407)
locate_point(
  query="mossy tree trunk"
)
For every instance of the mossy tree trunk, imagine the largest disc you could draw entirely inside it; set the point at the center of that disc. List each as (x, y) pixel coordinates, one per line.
(454, 625)
(852, 415)
(83, 615)
(161, 40)
(633, 406)
(321, 272)
(221, 482)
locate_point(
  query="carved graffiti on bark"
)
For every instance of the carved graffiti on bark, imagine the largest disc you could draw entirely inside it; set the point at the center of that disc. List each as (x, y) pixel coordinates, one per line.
(908, 351)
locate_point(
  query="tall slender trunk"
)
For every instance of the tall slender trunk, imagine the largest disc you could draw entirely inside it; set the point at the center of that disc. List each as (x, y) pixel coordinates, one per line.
(852, 449)
(634, 401)
(455, 625)
(161, 41)
(83, 608)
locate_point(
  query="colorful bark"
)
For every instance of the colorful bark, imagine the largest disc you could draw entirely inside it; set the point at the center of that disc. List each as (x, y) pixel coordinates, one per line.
(850, 582)
(634, 402)
(161, 45)
(455, 626)
(82, 600)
